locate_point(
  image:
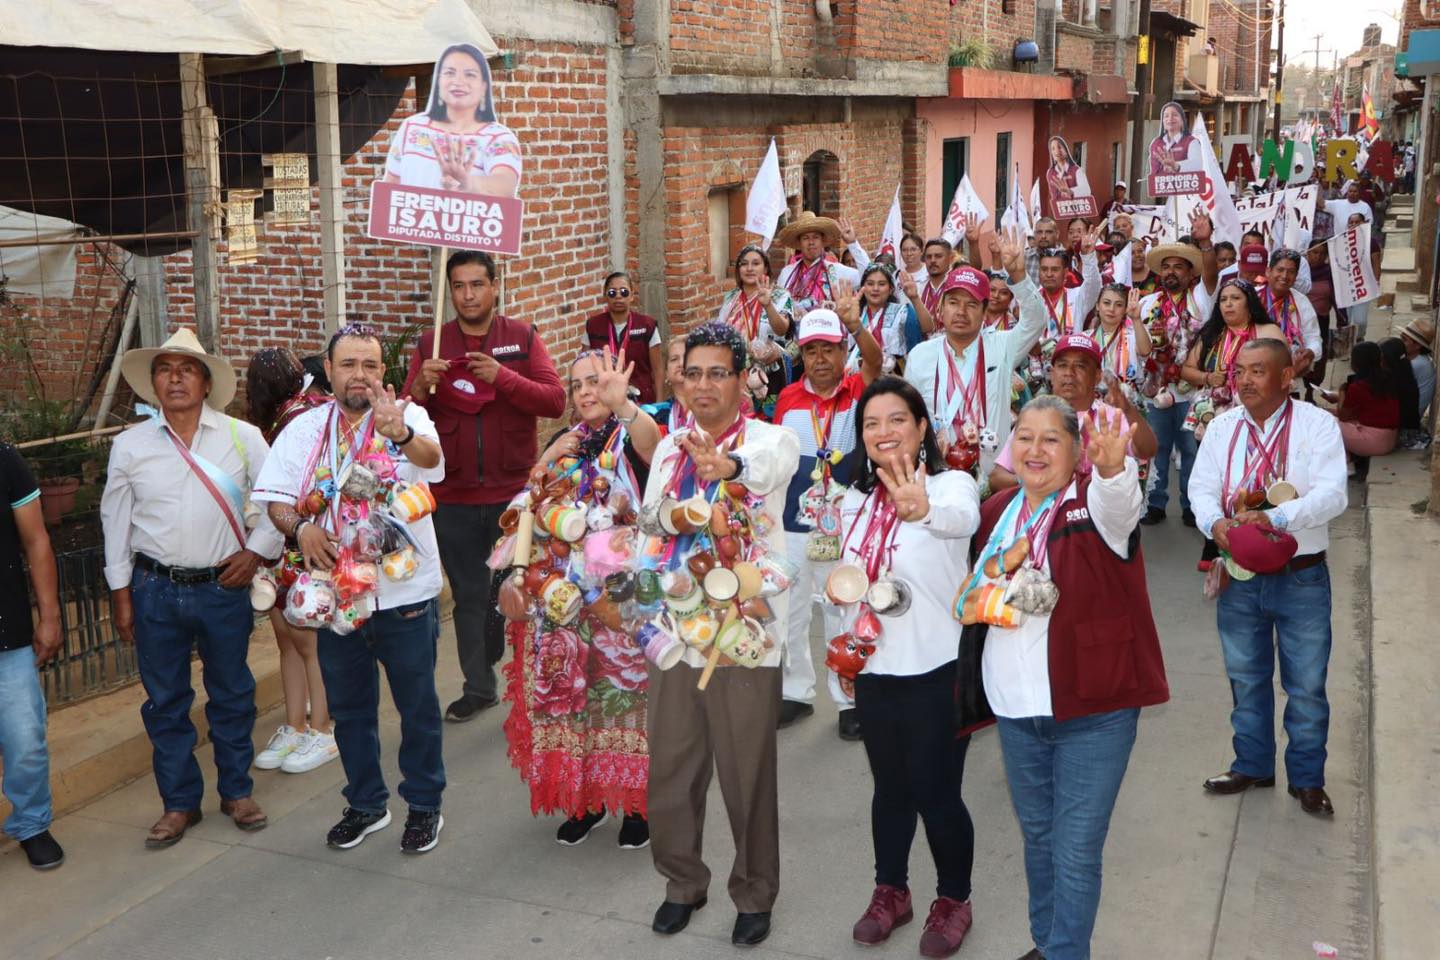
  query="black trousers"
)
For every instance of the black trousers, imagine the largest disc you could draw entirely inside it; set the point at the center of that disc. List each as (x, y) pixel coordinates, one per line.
(908, 725)
(465, 534)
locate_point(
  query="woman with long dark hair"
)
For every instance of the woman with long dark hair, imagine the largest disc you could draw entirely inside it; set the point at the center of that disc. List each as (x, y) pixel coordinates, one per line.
(1237, 318)
(1369, 408)
(276, 392)
(907, 522)
(763, 312)
(1392, 349)
(456, 143)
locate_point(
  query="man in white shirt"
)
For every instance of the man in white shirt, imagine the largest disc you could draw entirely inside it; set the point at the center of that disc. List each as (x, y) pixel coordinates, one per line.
(729, 727)
(1174, 315)
(810, 280)
(1287, 457)
(1293, 314)
(964, 376)
(179, 564)
(401, 631)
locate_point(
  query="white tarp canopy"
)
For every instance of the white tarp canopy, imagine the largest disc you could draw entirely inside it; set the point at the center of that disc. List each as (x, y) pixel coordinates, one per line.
(324, 31)
(42, 271)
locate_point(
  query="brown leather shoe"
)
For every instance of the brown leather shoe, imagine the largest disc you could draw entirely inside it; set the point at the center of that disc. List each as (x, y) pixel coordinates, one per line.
(170, 828)
(245, 812)
(1231, 782)
(1313, 800)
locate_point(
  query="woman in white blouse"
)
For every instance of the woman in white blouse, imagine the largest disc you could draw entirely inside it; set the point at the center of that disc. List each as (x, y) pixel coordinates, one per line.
(907, 522)
(1071, 655)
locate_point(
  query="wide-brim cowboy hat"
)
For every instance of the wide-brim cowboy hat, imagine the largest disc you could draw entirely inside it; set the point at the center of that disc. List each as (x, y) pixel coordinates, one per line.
(137, 362)
(1421, 331)
(1184, 251)
(807, 222)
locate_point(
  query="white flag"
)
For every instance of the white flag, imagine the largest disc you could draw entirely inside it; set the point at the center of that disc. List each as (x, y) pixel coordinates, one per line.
(1350, 266)
(1216, 199)
(894, 230)
(1016, 214)
(966, 200)
(766, 201)
(1034, 205)
(1122, 265)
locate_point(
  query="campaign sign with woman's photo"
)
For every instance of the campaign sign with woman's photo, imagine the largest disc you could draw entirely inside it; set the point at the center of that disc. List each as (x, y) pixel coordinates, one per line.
(1176, 167)
(453, 170)
(1070, 194)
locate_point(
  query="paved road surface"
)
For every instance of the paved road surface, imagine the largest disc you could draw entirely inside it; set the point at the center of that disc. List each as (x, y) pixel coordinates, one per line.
(1187, 875)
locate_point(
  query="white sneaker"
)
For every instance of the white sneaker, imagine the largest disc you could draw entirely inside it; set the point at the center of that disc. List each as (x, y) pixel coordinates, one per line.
(316, 749)
(285, 740)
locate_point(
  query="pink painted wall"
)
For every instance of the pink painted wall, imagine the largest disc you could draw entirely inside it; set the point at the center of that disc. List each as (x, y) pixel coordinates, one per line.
(980, 121)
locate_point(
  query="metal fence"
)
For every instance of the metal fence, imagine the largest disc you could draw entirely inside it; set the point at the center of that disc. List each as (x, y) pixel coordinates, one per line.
(92, 658)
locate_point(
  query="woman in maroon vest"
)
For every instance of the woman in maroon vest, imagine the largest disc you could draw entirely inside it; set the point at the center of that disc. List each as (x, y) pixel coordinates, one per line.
(1070, 656)
(626, 332)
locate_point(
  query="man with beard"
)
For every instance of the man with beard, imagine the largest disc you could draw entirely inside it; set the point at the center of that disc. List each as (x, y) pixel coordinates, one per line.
(1074, 376)
(401, 632)
(1173, 315)
(939, 257)
(493, 380)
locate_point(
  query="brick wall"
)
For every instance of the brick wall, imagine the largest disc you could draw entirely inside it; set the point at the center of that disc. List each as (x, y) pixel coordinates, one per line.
(1413, 18)
(554, 100)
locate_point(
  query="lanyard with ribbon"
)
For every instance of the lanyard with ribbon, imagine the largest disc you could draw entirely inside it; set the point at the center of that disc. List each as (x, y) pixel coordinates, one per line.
(882, 526)
(960, 396)
(930, 296)
(1284, 314)
(1059, 326)
(340, 463)
(1265, 457)
(1120, 343)
(684, 483)
(809, 282)
(1019, 516)
(617, 348)
(1223, 354)
(745, 316)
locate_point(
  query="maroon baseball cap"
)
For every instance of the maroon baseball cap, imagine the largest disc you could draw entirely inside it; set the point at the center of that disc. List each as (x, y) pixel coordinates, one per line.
(1078, 341)
(1261, 549)
(1253, 258)
(970, 280)
(465, 392)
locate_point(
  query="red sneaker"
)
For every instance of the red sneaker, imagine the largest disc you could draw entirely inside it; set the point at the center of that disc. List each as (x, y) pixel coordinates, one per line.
(945, 928)
(889, 908)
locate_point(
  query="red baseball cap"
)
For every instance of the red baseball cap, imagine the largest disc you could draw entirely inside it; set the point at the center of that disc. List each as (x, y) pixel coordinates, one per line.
(1078, 341)
(1253, 257)
(970, 280)
(1261, 549)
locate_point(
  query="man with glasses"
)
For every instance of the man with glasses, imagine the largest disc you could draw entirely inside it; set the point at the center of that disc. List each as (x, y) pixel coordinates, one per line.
(730, 725)
(493, 380)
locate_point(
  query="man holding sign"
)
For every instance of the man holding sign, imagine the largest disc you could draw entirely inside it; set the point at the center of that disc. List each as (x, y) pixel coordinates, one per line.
(493, 379)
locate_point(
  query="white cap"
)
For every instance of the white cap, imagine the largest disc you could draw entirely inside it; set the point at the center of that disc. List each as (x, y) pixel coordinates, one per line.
(1122, 183)
(821, 324)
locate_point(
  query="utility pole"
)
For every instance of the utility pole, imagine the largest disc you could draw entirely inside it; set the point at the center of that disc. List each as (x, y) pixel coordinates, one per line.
(1140, 106)
(1279, 68)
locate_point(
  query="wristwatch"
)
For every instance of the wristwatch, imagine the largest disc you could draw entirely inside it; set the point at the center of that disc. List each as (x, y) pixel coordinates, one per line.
(739, 462)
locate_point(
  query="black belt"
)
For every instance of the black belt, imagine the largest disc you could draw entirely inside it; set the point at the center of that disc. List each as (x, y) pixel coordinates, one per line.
(187, 576)
(1297, 564)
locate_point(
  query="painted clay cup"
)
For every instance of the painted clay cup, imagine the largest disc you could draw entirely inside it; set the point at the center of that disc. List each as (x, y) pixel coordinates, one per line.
(562, 601)
(662, 648)
(721, 586)
(846, 584)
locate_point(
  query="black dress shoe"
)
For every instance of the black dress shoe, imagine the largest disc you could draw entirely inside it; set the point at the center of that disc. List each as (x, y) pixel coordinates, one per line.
(466, 708)
(1231, 782)
(792, 710)
(673, 917)
(1033, 955)
(43, 851)
(1313, 800)
(1153, 516)
(1188, 518)
(750, 929)
(849, 724)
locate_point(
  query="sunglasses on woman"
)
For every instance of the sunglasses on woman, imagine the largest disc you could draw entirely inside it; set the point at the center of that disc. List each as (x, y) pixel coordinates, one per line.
(614, 292)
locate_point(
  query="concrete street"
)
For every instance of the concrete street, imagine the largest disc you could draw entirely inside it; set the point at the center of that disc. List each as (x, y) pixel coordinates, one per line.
(1187, 875)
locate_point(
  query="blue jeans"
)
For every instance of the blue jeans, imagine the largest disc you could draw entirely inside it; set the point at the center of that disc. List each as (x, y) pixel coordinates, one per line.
(171, 620)
(22, 745)
(1064, 778)
(1169, 432)
(403, 640)
(1292, 612)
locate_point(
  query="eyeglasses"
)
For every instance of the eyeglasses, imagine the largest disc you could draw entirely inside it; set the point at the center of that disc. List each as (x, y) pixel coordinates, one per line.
(614, 292)
(714, 374)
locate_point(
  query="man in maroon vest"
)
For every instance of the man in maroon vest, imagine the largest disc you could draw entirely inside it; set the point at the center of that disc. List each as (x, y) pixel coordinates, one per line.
(493, 380)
